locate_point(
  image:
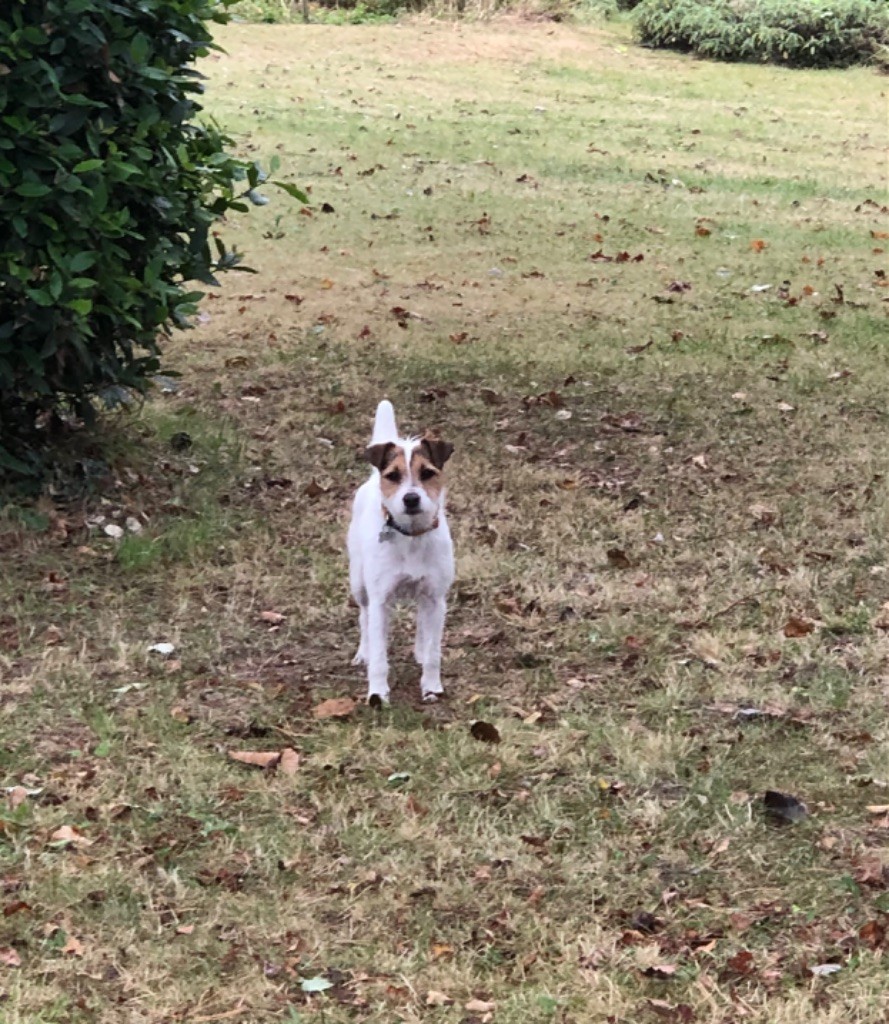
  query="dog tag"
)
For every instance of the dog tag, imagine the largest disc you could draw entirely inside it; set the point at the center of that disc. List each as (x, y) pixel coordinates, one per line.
(387, 533)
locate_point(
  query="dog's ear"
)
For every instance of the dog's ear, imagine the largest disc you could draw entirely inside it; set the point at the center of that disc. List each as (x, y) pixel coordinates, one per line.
(438, 452)
(378, 455)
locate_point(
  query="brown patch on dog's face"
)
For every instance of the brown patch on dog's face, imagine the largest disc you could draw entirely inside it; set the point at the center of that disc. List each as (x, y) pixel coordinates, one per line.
(425, 472)
(436, 451)
(390, 461)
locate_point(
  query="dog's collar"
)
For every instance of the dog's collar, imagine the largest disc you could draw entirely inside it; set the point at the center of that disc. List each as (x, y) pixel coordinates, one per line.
(391, 526)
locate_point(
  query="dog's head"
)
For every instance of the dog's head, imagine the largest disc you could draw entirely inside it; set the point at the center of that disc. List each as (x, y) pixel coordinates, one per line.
(411, 480)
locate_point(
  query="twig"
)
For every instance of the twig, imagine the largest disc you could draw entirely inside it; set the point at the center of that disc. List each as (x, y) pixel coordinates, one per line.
(205, 1019)
(699, 623)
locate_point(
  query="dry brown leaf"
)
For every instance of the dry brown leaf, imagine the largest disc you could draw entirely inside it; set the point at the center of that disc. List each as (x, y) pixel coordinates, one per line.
(480, 1006)
(185, 929)
(485, 732)
(314, 490)
(878, 808)
(872, 934)
(757, 245)
(434, 998)
(73, 947)
(336, 707)
(660, 971)
(67, 834)
(257, 758)
(764, 514)
(882, 618)
(289, 762)
(797, 627)
(16, 796)
(741, 962)
(441, 950)
(273, 618)
(9, 957)
(617, 559)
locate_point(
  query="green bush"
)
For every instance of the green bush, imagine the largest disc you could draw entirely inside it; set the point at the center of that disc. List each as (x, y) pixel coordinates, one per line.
(109, 189)
(799, 33)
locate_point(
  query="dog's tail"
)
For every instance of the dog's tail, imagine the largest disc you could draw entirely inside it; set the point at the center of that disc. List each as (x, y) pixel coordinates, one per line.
(385, 429)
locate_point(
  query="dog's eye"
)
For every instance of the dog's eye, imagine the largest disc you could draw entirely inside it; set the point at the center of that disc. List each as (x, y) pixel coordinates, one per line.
(394, 476)
(427, 474)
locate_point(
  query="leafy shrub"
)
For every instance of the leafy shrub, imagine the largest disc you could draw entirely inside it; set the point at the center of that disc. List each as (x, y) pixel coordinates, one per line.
(799, 33)
(271, 11)
(109, 188)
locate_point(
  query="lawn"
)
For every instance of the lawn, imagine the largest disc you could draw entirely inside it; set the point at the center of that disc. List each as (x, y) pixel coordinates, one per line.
(645, 298)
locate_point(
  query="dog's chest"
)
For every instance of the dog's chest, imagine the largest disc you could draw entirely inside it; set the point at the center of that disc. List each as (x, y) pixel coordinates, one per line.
(411, 573)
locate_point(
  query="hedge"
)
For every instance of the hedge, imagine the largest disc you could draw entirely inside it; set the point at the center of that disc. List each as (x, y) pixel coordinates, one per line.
(798, 33)
(109, 190)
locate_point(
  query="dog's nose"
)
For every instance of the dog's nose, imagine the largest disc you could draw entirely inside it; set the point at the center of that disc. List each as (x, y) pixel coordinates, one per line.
(412, 502)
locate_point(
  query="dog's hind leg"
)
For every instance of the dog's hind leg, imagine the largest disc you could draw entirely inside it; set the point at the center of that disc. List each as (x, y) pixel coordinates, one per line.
(430, 627)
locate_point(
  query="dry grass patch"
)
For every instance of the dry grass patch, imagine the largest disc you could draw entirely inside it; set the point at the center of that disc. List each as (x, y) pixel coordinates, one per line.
(645, 298)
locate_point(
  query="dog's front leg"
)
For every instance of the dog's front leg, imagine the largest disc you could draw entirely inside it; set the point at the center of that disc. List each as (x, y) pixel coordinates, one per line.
(377, 661)
(430, 626)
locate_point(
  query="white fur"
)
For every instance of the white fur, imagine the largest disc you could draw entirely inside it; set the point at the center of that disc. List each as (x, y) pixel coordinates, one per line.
(384, 571)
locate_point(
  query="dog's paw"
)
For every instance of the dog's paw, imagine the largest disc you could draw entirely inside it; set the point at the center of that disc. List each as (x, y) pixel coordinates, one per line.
(432, 696)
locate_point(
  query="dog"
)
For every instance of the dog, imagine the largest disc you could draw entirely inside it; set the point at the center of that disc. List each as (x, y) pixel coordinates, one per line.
(400, 547)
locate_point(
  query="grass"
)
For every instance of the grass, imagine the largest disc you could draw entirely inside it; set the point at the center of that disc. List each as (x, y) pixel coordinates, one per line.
(609, 860)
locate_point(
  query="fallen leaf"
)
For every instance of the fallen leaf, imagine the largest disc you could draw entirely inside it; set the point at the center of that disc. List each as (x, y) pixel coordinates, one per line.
(67, 834)
(318, 984)
(784, 807)
(289, 762)
(681, 1012)
(434, 998)
(757, 245)
(797, 627)
(485, 732)
(764, 514)
(257, 758)
(662, 971)
(73, 947)
(872, 934)
(871, 871)
(881, 621)
(274, 618)
(741, 962)
(441, 951)
(16, 907)
(314, 490)
(16, 796)
(185, 929)
(878, 808)
(9, 957)
(822, 970)
(336, 707)
(480, 1006)
(617, 559)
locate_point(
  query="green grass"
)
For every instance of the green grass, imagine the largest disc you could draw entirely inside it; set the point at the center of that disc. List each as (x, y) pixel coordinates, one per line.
(729, 442)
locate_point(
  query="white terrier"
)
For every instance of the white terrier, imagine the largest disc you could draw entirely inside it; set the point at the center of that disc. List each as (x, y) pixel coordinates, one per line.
(400, 546)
